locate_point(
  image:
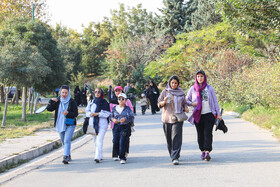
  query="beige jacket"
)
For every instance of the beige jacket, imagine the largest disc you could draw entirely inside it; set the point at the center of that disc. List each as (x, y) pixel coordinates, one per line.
(168, 110)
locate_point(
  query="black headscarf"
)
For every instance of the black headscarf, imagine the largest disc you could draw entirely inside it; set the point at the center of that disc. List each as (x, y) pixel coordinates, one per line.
(101, 104)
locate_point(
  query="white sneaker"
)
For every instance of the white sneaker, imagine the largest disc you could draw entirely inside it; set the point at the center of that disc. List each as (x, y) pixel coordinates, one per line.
(115, 158)
(122, 161)
(176, 162)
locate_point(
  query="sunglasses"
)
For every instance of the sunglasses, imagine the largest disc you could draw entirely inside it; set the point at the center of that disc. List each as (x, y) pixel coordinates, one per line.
(97, 92)
(121, 99)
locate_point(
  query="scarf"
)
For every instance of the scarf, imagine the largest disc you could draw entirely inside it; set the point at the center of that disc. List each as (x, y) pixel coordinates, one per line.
(63, 106)
(101, 104)
(198, 89)
(176, 94)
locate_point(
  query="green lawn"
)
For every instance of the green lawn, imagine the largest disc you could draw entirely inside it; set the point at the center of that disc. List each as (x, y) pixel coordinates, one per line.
(16, 128)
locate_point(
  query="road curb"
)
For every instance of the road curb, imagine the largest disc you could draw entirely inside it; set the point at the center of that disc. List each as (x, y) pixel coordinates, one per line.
(35, 152)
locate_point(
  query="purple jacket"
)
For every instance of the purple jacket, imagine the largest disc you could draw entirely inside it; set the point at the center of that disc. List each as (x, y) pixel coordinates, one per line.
(213, 102)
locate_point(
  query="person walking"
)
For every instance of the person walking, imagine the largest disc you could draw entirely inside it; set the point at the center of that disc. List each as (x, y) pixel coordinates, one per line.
(66, 111)
(77, 95)
(127, 87)
(143, 103)
(99, 111)
(201, 96)
(153, 94)
(131, 94)
(84, 95)
(113, 102)
(122, 116)
(172, 99)
(146, 94)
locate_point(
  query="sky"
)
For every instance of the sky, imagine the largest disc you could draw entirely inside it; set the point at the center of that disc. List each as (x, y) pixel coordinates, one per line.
(74, 13)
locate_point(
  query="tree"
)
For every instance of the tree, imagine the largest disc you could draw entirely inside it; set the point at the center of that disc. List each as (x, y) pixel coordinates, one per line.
(22, 8)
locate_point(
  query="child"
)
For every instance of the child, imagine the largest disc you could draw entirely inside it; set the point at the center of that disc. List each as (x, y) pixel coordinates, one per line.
(143, 102)
(122, 116)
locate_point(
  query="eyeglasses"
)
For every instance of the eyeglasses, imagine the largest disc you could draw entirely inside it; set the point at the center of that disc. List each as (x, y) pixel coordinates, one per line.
(98, 92)
(121, 99)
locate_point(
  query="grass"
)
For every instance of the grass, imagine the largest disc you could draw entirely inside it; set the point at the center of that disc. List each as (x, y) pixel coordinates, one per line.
(268, 118)
(15, 128)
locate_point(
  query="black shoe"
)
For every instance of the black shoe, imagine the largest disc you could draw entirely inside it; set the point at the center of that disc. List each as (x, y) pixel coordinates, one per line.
(70, 159)
(207, 157)
(96, 160)
(65, 159)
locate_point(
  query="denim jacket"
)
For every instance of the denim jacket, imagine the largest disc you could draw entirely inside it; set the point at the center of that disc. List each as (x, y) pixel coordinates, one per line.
(127, 114)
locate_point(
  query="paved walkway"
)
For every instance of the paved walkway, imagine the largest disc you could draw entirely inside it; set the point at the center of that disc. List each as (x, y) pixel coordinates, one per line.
(245, 156)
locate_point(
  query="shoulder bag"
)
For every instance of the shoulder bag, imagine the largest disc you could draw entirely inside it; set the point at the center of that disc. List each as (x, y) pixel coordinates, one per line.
(178, 117)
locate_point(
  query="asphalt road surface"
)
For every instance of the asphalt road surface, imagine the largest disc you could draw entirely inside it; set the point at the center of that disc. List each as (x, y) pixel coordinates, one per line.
(245, 156)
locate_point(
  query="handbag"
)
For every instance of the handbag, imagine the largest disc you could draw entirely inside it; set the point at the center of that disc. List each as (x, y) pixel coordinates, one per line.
(85, 125)
(178, 117)
(91, 130)
(69, 121)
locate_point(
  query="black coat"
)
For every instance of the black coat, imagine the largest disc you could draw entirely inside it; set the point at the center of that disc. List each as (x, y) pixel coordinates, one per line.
(72, 109)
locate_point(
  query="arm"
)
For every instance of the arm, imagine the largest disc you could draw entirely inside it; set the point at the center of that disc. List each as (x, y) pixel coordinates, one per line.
(52, 105)
(129, 104)
(130, 116)
(104, 114)
(189, 97)
(162, 99)
(73, 112)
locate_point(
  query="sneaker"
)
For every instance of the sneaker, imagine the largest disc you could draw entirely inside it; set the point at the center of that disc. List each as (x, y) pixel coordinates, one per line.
(176, 162)
(207, 156)
(115, 158)
(203, 156)
(65, 159)
(126, 154)
(70, 159)
(97, 160)
(122, 162)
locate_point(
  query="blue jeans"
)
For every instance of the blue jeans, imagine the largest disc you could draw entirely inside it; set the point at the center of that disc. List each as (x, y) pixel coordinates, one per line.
(121, 135)
(66, 137)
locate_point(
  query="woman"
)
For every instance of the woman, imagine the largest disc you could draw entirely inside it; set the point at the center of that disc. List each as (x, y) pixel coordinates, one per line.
(153, 94)
(204, 101)
(99, 115)
(131, 94)
(77, 95)
(66, 111)
(115, 152)
(172, 99)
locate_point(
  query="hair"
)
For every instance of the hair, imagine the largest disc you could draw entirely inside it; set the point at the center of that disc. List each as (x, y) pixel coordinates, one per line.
(65, 87)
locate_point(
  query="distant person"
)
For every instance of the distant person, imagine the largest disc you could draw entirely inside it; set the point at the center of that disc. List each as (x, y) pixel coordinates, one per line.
(126, 87)
(84, 95)
(146, 94)
(205, 108)
(110, 93)
(143, 103)
(90, 92)
(173, 100)
(99, 111)
(66, 111)
(77, 95)
(131, 94)
(122, 116)
(153, 94)
(57, 91)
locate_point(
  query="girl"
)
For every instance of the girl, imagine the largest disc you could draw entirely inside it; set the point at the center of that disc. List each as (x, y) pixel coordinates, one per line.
(122, 116)
(172, 99)
(66, 111)
(98, 109)
(204, 101)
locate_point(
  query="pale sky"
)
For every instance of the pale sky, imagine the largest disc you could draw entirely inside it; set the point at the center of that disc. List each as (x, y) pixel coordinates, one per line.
(74, 13)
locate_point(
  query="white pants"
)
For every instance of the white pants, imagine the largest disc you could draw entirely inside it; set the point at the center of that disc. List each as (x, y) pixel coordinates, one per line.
(99, 141)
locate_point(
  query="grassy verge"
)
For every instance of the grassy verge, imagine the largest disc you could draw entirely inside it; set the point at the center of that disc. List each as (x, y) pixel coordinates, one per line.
(268, 118)
(15, 128)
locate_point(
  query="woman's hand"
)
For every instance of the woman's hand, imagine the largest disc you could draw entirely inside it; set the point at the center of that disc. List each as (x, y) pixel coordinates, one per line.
(115, 121)
(122, 120)
(94, 114)
(219, 117)
(187, 110)
(65, 113)
(54, 99)
(194, 104)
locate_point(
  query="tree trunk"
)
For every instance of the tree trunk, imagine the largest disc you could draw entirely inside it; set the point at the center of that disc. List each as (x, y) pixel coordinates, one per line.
(15, 97)
(5, 111)
(24, 95)
(32, 103)
(36, 101)
(2, 94)
(29, 97)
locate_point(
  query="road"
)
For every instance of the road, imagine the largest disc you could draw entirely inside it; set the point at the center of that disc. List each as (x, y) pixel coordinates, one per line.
(245, 156)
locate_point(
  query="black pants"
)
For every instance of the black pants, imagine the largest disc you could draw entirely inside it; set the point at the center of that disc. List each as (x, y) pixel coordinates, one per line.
(143, 109)
(174, 137)
(205, 131)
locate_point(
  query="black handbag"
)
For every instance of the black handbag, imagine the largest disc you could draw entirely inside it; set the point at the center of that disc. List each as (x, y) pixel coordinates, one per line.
(85, 125)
